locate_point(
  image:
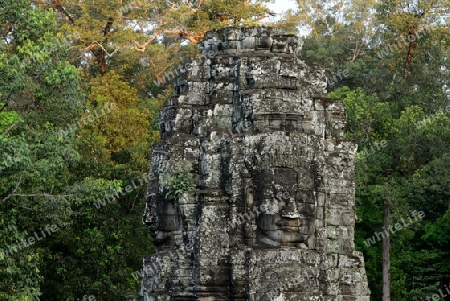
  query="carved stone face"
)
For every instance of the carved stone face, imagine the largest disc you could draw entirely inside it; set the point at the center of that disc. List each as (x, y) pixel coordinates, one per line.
(162, 219)
(287, 210)
(161, 216)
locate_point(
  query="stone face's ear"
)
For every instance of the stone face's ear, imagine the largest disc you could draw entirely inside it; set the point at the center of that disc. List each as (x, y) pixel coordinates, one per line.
(249, 196)
(150, 216)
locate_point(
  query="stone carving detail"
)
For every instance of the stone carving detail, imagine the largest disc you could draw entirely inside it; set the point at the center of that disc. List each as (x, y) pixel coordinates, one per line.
(272, 216)
(287, 213)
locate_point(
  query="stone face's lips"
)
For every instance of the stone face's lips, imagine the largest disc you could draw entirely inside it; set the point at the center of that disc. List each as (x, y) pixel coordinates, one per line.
(288, 224)
(289, 228)
(285, 236)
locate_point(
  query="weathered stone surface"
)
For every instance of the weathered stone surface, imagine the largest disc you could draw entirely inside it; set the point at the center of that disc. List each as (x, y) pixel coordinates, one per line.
(272, 216)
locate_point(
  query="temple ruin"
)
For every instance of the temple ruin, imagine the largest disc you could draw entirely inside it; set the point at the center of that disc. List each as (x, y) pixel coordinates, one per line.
(272, 214)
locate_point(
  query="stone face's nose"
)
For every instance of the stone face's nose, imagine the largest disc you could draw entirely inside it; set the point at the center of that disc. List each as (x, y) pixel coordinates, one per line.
(152, 222)
(290, 210)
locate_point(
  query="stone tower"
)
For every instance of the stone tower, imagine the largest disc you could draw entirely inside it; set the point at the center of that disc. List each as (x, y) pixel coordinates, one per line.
(272, 215)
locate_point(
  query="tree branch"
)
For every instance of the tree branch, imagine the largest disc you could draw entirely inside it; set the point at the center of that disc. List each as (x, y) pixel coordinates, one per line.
(43, 195)
(36, 195)
(324, 21)
(56, 4)
(15, 189)
(185, 34)
(142, 47)
(32, 194)
(10, 127)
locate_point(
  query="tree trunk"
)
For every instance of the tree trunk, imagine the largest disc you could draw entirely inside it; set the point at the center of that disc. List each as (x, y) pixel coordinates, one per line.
(386, 253)
(409, 55)
(100, 55)
(100, 52)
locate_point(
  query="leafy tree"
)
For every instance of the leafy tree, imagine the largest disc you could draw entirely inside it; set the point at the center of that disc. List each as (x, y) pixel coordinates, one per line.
(20, 276)
(120, 134)
(40, 180)
(397, 83)
(411, 173)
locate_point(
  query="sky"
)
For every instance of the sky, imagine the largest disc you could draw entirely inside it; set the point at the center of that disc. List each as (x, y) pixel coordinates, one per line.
(279, 6)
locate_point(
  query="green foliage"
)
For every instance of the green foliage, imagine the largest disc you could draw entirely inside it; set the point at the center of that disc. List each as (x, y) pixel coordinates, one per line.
(413, 173)
(181, 181)
(44, 179)
(8, 119)
(20, 277)
(119, 137)
(108, 241)
(439, 231)
(368, 117)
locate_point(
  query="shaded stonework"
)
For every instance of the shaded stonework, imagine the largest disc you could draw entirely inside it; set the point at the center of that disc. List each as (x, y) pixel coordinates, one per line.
(272, 216)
